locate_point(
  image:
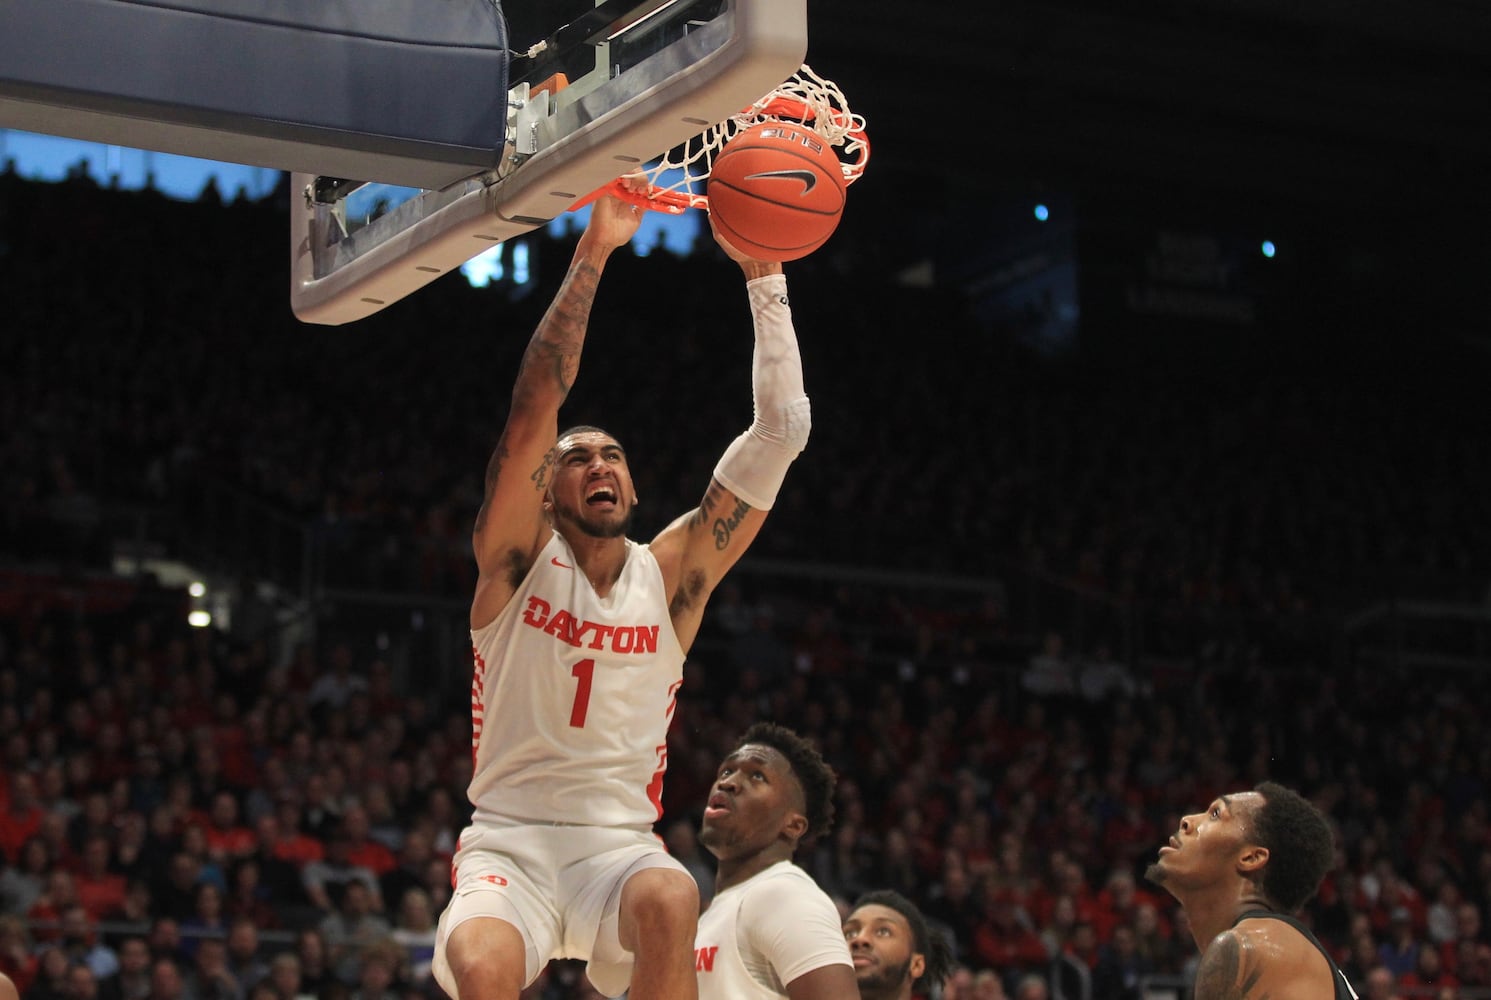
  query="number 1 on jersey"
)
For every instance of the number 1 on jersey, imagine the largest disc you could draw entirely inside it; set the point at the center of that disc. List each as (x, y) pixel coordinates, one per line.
(584, 672)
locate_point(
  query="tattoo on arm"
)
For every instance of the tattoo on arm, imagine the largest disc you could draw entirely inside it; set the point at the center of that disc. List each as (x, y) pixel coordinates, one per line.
(494, 469)
(1229, 971)
(555, 348)
(712, 498)
(552, 356)
(724, 527)
(540, 477)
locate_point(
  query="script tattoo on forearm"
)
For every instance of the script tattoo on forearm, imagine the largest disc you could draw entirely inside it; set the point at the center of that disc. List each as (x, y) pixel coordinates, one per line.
(724, 527)
(1228, 971)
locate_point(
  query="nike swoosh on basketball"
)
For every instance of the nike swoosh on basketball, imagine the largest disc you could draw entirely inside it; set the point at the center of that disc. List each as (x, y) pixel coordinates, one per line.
(561, 565)
(808, 178)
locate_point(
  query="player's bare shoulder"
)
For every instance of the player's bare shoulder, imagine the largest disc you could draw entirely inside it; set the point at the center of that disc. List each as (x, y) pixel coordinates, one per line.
(1262, 959)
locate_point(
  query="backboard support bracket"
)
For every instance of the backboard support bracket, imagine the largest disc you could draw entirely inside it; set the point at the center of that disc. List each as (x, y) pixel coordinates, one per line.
(561, 145)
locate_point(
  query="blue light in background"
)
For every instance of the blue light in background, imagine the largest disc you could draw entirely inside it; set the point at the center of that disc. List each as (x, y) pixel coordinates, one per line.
(1042, 213)
(50, 158)
(659, 230)
(485, 268)
(1268, 249)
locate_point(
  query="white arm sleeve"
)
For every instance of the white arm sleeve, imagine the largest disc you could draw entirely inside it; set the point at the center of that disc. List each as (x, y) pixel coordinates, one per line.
(794, 926)
(755, 464)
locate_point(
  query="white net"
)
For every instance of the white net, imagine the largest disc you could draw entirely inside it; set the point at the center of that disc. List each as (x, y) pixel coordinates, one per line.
(678, 179)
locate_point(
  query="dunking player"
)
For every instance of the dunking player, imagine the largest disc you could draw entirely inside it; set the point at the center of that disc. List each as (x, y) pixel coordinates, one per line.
(893, 948)
(769, 932)
(1241, 870)
(579, 636)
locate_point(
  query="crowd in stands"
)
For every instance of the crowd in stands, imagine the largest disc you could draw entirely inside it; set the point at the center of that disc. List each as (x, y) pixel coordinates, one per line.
(191, 815)
(154, 348)
(182, 818)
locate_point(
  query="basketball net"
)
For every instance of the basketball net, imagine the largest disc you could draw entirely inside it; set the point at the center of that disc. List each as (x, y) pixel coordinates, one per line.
(677, 181)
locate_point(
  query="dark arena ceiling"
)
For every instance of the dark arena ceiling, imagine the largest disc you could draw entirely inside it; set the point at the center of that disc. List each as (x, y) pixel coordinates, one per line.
(1333, 102)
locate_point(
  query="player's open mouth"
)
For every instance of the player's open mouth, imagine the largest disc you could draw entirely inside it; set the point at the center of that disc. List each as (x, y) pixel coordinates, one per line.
(601, 496)
(718, 805)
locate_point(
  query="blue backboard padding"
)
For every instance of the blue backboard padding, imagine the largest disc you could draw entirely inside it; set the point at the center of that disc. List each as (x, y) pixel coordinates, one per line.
(416, 88)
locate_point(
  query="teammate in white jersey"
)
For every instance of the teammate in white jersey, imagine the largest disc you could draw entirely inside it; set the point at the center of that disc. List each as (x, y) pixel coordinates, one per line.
(579, 636)
(770, 932)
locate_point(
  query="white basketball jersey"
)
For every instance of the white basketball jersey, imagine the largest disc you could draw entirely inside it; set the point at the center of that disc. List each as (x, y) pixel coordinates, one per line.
(760, 935)
(572, 695)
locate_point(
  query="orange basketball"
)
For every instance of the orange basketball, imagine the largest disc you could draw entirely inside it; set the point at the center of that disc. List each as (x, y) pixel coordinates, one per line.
(776, 191)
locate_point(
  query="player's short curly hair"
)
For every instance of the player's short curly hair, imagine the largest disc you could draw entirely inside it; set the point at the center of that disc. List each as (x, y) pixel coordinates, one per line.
(585, 429)
(810, 769)
(931, 944)
(1301, 846)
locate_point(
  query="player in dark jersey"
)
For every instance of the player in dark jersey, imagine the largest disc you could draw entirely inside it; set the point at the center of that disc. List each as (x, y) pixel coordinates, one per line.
(1241, 870)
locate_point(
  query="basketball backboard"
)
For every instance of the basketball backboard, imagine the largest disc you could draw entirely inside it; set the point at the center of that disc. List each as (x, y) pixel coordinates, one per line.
(641, 76)
(339, 87)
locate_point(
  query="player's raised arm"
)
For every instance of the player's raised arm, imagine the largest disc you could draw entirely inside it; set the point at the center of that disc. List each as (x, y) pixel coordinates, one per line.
(696, 550)
(510, 527)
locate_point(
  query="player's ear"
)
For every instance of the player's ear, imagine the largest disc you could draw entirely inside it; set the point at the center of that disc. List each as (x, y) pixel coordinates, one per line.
(918, 966)
(795, 825)
(1252, 859)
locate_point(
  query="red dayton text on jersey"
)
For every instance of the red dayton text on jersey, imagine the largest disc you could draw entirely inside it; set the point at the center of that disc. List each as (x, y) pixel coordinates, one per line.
(704, 958)
(591, 635)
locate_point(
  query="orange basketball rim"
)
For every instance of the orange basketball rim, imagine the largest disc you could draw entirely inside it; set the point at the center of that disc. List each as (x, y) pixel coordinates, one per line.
(677, 181)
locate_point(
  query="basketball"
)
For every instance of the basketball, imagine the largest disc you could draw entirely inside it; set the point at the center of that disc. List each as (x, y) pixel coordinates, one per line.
(776, 191)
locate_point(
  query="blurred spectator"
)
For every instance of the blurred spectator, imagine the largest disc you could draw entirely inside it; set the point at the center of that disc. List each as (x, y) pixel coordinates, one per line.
(377, 971)
(350, 928)
(415, 933)
(50, 981)
(227, 839)
(207, 921)
(362, 850)
(1032, 986)
(1002, 940)
(409, 872)
(243, 959)
(133, 977)
(82, 984)
(683, 843)
(1399, 954)
(45, 913)
(23, 814)
(249, 897)
(24, 880)
(100, 890)
(17, 955)
(1121, 969)
(284, 977)
(1381, 984)
(326, 881)
(985, 984)
(210, 978)
(79, 941)
(314, 970)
